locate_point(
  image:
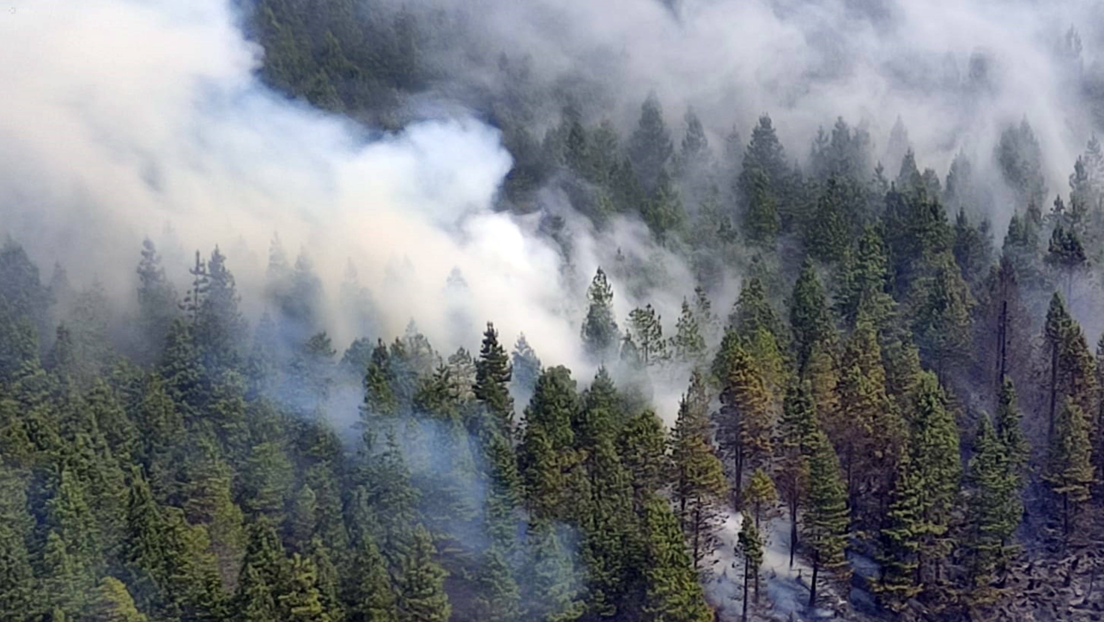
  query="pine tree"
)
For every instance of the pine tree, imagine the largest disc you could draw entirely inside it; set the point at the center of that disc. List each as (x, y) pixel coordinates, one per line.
(113, 603)
(419, 583)
(672, 591)
(744, 425)
(1009, 429)
(796, 429)
(646, 329)
(600, 334)
(760, 494)
(263, 573)
(157, 304)
(994, 509)
(370, 595)
(750, 545)
(545, 457)
(1069, 465)
(642, 446)
(810, 321)
(492, 380)
(499, 599)
(16, 523)
(553, 588)
(699, 484)
(688, 343)
(650, 145)
(301, 600)
(824, 525)
(526, 366)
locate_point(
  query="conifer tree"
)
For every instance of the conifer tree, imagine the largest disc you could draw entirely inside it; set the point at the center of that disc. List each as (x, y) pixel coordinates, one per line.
(750, 545)
(113, 603)
(526, 366)
(1069, 464)
(810, 321)
(699, 484)
(796, 428)
(499, 599)
(157, 304)
(688, 343)
(650, 145)
(301, 601)
(672, 592)
(642, 446)
(760, 495)
(546, 457)
(646, 329)
(994, 510)
(492, 380)
(824, 525)
(370, 595)
(600, 334)
(744, 426)
(553, 589)
(419, 583)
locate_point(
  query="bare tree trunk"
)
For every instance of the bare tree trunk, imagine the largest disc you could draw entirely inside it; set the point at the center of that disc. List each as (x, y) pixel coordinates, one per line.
(743, 618)
(793, 528)
(738, 476)
(813, 582)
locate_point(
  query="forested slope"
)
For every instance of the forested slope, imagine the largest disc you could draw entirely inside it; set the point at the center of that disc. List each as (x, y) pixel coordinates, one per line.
(903, 393)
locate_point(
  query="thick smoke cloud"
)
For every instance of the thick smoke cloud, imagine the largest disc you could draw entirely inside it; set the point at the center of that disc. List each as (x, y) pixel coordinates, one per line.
(957, 73)
(124, 117)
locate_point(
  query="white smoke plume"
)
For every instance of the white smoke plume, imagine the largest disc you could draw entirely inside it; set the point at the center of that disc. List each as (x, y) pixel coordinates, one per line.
(122, 117)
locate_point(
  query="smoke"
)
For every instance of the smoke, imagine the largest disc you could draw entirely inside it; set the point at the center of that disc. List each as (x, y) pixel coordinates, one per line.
(956, 73)
(126, 119)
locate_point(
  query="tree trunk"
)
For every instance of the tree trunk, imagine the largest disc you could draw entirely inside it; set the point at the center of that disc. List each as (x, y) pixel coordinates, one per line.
(793, 528)
(813, 582)
(738, 476)
(1053, 388)
(743, 618)
(697, 534)
(1002, 346)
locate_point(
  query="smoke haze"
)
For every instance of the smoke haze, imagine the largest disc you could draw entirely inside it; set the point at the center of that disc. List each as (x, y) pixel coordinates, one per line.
(128, 119)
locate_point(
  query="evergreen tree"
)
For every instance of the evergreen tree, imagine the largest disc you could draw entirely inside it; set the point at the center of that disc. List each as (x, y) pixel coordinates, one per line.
(600, 332)
(796, 429)
(370, 595)
(760, 494)
(419, 583)
(750, 545)
(994, 510)
(650, 145)
(526, 366)
(810, 321)
(301, 600)
(699, 485)
(646, 329)
(688, 343)
(672, 591)
(1069, 464)
(113, 603)
(545, 457)
(492, 380)
(824, 525)
(642, 446)
(157, 304)
(744, 424)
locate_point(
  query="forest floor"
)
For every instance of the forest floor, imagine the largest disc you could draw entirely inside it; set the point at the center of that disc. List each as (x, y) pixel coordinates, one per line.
(783, 589)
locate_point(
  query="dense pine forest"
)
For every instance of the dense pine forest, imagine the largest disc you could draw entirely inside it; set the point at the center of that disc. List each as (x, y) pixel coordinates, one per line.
(815, 380)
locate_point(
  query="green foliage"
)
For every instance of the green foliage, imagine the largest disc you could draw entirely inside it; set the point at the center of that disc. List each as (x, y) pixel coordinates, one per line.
(672, 592)
(600, 332)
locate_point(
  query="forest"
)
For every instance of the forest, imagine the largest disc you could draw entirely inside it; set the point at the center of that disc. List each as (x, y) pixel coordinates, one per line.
(890, 395)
